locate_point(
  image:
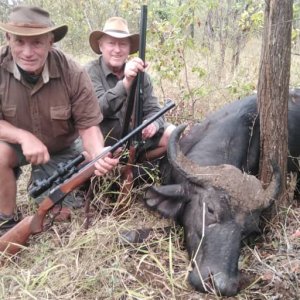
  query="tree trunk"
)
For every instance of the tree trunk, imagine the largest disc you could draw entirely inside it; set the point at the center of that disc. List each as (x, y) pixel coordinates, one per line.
(273, 89)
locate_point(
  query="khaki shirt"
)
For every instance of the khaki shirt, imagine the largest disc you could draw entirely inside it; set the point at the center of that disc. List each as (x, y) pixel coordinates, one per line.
(112, 96)
(53, 109)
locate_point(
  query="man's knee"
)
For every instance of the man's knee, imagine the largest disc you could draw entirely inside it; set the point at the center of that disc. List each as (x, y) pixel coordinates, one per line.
(8, 156)
(166, 136)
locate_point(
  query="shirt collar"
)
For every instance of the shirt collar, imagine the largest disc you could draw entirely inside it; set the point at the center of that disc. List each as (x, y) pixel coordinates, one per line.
(52, 65)
(45, 73)
(106, 70)
(16, 72)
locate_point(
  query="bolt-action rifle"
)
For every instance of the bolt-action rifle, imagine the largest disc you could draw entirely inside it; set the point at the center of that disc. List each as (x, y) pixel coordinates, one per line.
(13, 240)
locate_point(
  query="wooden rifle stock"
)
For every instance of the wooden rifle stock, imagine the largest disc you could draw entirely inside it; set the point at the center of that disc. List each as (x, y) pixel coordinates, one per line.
(14, 239)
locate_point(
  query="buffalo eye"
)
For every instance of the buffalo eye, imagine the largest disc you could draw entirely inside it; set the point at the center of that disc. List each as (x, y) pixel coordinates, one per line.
(210, 209)
(211, 214)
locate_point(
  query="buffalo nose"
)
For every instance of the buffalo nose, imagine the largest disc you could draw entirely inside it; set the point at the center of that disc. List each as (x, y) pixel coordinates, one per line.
(225, 285)
(220, 283)
(196, 281)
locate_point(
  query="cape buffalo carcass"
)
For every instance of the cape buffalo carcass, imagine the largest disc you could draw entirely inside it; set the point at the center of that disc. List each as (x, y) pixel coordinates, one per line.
(217, 204)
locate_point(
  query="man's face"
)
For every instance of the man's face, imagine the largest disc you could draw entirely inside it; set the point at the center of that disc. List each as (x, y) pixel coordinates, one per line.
(114, 51)
(30, 52)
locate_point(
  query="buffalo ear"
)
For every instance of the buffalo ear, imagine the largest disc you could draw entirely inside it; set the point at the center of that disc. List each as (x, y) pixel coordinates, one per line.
(166, 199)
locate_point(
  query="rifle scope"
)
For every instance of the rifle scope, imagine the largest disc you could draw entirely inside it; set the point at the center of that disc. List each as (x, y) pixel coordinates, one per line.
(64, 171)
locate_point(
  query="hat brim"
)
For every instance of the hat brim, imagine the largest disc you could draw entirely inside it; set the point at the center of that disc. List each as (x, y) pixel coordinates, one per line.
(96, 35)
(58, 31)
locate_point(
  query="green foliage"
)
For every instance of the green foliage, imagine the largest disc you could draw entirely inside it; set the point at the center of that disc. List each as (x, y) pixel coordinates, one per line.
(252, 20)
(170, 37)
(240, 89)
(201, 72)
(296, 10)
(296, 23)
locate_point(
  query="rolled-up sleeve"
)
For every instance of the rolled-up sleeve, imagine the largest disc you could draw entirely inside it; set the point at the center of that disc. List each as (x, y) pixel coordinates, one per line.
(85, 109)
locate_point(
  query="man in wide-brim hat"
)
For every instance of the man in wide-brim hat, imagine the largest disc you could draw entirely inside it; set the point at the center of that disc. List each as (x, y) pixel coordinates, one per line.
(113, 74)
(115, 27)
(32, 21)
(48, 110)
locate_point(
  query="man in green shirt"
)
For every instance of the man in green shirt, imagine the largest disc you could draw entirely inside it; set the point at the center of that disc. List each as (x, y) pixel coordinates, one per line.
(112, 75)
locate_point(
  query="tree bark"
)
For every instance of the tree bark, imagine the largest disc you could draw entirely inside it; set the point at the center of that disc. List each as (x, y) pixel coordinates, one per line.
(273, 89)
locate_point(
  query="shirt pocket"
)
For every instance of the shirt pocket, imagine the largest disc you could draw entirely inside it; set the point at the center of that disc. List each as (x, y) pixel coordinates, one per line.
(9, 114)
(60, 119)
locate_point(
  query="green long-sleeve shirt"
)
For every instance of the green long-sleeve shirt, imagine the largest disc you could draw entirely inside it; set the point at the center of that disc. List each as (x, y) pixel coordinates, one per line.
(112, 97)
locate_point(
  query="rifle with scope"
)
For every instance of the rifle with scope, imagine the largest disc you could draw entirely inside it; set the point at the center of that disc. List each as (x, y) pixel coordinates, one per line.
(13, 240)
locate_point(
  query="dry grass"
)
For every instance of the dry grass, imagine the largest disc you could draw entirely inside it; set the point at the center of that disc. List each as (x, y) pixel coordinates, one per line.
(71, 262)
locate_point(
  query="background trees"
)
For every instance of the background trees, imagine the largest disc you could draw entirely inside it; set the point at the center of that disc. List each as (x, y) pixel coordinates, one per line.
(201, 52)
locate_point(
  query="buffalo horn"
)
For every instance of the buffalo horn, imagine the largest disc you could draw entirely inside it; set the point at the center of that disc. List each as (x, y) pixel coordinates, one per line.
(246, 191)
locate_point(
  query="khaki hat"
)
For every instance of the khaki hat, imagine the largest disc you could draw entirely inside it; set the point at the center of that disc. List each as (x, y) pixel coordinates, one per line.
(116, 27)
(32, 21)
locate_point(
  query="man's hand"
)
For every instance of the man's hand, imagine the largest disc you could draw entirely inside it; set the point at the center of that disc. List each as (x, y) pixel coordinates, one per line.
(131, 70)
(106, 164)
(93, 144)
(149, 131)
(34, 150)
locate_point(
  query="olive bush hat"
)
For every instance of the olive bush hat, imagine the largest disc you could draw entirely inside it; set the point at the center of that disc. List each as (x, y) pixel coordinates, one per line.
(32, 21)
(116, 27)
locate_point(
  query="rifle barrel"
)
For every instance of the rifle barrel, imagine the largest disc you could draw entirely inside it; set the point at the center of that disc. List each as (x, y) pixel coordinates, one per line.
(134, 102)
(87, 170)
(143, 30)
(170, 104)
(140, 77)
